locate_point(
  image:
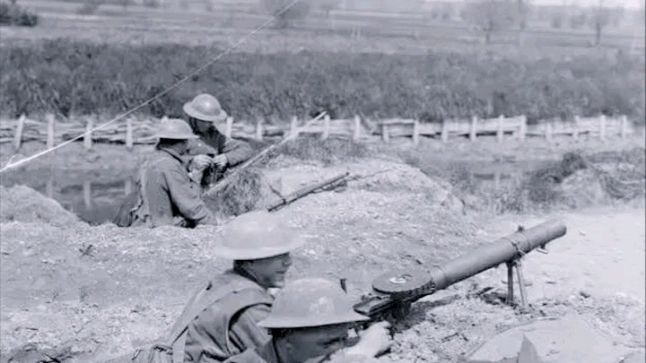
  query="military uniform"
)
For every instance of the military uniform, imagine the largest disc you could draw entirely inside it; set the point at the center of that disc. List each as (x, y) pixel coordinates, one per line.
(229, 326)
(168, 196)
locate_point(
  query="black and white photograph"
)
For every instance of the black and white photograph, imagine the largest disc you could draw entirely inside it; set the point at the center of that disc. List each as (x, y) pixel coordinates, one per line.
(322, 181)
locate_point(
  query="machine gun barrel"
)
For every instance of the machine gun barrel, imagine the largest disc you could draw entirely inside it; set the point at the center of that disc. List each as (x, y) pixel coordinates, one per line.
(500, 251)
(393, 291)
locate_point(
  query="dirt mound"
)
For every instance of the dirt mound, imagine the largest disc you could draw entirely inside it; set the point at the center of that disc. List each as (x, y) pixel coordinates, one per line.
(385, 176)
(23, 204)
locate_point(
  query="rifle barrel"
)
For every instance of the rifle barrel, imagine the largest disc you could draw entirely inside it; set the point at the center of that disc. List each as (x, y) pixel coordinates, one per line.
(305, 191)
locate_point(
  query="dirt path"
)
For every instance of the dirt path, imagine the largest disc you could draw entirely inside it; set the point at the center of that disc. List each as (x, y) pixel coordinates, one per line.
(602, 255)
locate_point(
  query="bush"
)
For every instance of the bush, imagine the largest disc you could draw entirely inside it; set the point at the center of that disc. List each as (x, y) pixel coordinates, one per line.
(74, 78)
(11, 14)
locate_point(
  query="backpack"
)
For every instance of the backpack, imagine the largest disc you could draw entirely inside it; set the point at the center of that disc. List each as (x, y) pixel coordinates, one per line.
(172, 350)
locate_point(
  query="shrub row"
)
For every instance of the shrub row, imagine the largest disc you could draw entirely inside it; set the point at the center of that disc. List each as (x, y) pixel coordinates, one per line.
(11, 14)
(73, 78)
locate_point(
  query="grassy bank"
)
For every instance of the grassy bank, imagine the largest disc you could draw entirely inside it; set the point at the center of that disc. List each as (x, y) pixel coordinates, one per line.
(72, 78)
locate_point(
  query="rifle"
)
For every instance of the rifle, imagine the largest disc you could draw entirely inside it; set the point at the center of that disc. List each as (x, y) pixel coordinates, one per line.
(395, 291)
(300, 193)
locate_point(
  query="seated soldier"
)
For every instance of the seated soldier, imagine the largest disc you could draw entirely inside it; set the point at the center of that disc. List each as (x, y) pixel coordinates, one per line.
(309, 322)
(167, 195)
(213, 152)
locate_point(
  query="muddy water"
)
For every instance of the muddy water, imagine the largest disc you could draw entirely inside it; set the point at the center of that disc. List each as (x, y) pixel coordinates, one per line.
(95, 196)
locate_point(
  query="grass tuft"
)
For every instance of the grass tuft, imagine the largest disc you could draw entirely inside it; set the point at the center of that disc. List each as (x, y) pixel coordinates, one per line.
(239, 196)
(327, 151)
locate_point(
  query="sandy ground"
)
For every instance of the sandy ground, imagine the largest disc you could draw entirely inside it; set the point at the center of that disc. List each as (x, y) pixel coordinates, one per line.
(81, 293)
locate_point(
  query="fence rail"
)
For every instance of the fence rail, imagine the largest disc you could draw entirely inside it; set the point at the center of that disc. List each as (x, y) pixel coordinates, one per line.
(133, 131)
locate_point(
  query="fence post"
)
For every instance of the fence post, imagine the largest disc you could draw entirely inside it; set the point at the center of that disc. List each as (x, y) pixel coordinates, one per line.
(385, 132)
(548, 131)
(129, 140)
(415, 132)
(357, 128)
(474, 128)
(602, 127)
(445, 131)
(575, 131)
(624, 126)
(127, 186)
(229, 127)
(326, 127)
(17, 138)
(50, 130)
(259, 129)
(87, 138)
(293, 128)
(49, 187)
(522, 132)
(499, 133)
(87, 194)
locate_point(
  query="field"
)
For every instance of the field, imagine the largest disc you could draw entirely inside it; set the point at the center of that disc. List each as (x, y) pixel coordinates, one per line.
(73, 291)
(357, 31)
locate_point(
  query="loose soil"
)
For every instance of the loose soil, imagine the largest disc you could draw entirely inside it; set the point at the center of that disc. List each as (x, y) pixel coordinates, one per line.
(81, 293)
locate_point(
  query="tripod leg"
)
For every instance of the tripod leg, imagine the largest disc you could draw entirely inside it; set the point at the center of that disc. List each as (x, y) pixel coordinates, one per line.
(521, 284)
(510, 283)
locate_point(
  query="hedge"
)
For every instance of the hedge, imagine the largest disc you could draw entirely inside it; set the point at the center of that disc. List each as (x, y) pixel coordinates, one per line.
(74, 78)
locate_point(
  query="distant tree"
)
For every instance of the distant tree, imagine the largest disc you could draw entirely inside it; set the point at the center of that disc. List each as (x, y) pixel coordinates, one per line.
(556, 21)
(152, 3)
(489, 16)
(599, 20)
(287, 11)
(520, 13)
(617, 15)
(578, 18)
(326, 6)
(447, 10)
(125, 3)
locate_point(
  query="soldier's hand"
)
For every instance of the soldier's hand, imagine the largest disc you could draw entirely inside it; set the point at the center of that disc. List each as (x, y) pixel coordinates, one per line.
(374, 340)
(201, 162)
(221, 160)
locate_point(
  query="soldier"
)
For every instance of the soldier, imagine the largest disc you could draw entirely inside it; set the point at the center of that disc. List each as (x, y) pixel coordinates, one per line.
(259, 245)
(216, 152)
(309, 322)
(167, 195)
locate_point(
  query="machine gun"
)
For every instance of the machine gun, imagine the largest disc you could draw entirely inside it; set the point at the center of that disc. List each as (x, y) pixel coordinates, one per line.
(395, 291)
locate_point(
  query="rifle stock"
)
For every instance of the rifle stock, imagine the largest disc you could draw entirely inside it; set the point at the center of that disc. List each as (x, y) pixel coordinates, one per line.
(378, 305)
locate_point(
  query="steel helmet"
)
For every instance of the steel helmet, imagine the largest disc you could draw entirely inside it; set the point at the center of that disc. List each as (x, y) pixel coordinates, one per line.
(256, 235)
(206, 108)
(176, 129)
(310, 302)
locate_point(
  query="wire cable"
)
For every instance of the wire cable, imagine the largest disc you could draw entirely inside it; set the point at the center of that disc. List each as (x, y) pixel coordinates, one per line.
(195, 71)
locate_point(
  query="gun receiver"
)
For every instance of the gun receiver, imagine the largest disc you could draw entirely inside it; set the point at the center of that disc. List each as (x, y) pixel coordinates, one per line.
(393, 292)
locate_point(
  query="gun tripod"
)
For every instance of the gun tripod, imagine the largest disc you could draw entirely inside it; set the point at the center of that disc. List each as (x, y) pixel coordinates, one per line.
(521, 282)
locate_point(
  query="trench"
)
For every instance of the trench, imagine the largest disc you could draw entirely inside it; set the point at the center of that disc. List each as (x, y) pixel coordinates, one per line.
(95, 196)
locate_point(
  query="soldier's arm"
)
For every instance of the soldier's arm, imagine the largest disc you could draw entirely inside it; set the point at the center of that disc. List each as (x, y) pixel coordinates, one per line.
(185, 194)
(237, 151)
(245, 332)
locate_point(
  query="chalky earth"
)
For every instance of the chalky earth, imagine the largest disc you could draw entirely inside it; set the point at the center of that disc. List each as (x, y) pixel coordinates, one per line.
(71, 292)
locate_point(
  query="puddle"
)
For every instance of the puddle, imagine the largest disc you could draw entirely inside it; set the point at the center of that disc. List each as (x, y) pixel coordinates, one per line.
(95, 196)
